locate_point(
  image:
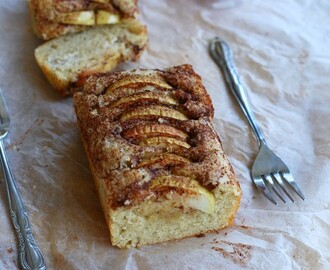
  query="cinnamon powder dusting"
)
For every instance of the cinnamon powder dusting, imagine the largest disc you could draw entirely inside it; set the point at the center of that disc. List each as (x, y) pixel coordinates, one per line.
(239, 253)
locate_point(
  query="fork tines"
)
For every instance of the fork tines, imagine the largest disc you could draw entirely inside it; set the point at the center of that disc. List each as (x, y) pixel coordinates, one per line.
(277, 182)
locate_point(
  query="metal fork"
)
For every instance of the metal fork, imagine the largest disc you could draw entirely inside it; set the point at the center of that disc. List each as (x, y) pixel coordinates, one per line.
(269, 172)
(29, 255)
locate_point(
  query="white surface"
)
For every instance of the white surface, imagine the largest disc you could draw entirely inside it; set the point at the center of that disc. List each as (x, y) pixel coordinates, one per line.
(282, 53)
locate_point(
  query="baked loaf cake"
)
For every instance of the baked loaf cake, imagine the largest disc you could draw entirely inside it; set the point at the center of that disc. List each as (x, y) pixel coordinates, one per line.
(156, 159)
(98, 49)
(54, 18)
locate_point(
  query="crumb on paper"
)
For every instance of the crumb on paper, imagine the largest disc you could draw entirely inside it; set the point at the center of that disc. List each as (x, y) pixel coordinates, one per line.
(16, 148)
(75, 238)
(215, 241)
(239, 254)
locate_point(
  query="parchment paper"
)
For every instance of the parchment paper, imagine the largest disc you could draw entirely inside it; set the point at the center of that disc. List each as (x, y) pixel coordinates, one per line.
(281, 50)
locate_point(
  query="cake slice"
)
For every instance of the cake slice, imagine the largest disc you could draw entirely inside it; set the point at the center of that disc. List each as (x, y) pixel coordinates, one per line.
(157, 162)
(98, 49)
(54, 18)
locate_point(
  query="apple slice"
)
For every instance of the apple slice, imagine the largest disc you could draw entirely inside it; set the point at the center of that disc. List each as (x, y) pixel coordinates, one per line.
(147, 131)
(133, 89)
(165, 99)
(155, 110)
(192, 193)
(143, 78)
(164, 141)
(106, 17)
(101, 1)
(163, 160)
(78, 17)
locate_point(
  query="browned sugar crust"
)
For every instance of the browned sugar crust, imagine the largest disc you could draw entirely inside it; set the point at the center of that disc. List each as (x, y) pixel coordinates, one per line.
(115, 141)
(44, 14)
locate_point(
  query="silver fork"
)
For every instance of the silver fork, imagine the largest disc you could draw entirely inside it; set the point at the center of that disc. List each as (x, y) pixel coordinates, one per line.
(29, 255)
(269, 172)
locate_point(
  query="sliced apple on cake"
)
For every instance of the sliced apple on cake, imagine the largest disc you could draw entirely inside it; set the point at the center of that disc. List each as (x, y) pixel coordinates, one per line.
(161, 174)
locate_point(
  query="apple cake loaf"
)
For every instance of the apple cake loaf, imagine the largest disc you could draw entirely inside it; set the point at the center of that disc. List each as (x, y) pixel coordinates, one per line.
(54, 18)
(157, 162)
(98, 49)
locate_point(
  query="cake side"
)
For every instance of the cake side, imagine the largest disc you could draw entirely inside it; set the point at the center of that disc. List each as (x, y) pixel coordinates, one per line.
(159, 221)
(156, 159)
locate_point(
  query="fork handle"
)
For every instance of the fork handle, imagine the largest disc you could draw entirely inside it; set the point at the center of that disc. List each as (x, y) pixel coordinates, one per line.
(223, 56)
(30, 256)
